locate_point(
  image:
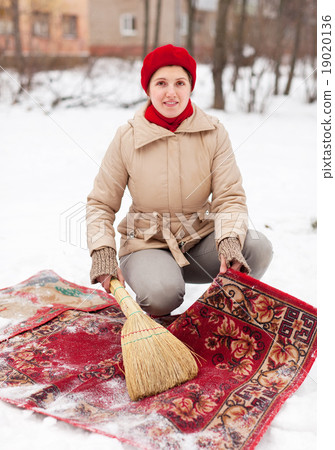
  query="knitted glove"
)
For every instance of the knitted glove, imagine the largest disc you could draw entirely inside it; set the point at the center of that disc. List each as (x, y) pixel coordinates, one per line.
(103, 263)
(231, 250)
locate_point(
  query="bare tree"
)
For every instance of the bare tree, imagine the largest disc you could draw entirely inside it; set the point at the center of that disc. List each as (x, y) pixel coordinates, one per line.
(25, 70)
(157, 23)
(146, 28)
(6, 33)
(309, 41)
(220, 52)
(238, 57)
(17, 34)
(191, 8)
(280, 27)
(298, 28)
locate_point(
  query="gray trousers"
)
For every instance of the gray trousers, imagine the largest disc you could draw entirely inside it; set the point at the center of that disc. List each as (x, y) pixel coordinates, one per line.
(159, 283)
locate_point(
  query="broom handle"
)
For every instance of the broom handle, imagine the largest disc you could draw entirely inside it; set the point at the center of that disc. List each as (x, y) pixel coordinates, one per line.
(126, 302)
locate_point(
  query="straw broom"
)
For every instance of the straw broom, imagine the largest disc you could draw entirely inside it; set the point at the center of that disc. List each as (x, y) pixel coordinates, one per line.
(154, 359)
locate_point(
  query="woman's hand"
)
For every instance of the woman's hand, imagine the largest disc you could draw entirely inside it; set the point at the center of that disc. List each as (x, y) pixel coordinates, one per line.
(105, 280)
(223, 268)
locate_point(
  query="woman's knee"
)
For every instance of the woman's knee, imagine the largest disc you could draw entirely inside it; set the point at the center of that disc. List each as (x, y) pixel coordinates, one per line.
(156, 279)
(159, 299)
(258, 253)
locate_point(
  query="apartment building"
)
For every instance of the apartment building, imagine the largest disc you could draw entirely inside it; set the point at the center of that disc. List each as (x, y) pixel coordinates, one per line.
(118, 27)
(76, 29)
(57, 28)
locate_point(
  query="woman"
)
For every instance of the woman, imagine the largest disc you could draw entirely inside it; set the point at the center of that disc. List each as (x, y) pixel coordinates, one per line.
(173, 157)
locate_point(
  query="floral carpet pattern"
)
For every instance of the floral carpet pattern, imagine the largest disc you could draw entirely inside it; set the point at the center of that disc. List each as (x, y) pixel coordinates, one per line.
(256, 345)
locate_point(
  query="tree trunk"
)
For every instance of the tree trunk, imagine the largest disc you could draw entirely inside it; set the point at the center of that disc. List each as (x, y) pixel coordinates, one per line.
(296, 46)
(240, 42)
(158, 23)
(220, 52)
(190, 32)
(17, 35)
(146, 28)
(279, 44)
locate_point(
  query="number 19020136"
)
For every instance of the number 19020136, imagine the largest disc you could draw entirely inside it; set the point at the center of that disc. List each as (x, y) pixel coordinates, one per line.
(326, 41)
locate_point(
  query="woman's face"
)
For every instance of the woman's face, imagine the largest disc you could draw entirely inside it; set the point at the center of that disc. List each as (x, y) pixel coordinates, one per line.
(170, 90)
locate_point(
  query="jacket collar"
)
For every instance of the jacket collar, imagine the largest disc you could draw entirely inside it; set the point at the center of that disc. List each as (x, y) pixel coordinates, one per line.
(146, 132)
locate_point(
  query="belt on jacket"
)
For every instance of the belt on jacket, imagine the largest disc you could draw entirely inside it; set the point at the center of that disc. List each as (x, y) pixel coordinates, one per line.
(162, 224)
(168, 236)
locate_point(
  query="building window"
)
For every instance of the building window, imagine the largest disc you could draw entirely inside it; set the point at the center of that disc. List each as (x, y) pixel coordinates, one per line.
(41, 24)
(70, 26)
(128, 24)
(6, 23)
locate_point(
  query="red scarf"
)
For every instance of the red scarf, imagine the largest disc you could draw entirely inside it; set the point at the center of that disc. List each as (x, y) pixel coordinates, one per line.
(170, 123)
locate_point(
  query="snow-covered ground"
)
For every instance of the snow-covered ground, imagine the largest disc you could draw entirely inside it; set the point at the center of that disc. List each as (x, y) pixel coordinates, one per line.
(47, 166)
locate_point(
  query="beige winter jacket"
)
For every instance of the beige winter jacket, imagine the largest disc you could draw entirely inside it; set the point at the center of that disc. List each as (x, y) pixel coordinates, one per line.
(171, 177)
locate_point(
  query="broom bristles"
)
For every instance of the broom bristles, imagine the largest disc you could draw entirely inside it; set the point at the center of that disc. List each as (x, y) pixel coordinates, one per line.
(154, 359)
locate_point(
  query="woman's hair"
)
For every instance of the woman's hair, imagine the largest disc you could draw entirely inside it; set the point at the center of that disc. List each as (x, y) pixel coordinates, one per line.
(189, 76)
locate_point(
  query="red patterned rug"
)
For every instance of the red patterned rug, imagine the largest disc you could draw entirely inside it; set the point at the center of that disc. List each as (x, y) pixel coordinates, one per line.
(60, 355)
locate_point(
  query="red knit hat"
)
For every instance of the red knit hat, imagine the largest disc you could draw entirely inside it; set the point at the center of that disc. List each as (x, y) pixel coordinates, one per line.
(167, 55)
